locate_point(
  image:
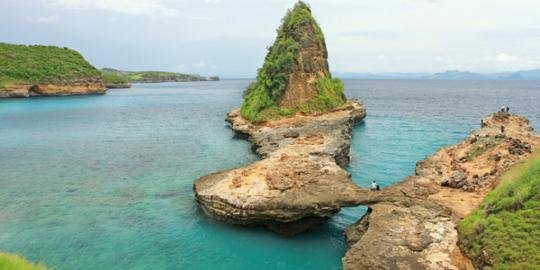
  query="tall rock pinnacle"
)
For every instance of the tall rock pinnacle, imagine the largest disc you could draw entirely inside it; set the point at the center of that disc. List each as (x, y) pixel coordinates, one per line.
(295, 75)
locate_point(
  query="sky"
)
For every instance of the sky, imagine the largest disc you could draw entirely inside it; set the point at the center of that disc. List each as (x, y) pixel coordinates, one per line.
(229, 37)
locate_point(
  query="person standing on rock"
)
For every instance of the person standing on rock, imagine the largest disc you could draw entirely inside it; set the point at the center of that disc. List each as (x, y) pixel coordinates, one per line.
(375, 186)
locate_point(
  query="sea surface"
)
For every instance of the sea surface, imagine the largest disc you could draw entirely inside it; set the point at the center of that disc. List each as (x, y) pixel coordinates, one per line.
(105, 182)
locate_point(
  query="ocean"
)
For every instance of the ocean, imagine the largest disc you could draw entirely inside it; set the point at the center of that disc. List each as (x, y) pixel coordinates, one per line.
(105, 182)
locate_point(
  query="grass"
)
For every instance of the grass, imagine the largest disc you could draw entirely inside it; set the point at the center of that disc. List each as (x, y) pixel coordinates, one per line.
(16, 262)
(481, 146)
(41, 64)
(504, 232)
(262, 97)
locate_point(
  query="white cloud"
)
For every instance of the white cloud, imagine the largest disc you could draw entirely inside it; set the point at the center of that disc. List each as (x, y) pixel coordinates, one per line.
(131, 7)
(200, 64)
(506, 58)
(45, 19)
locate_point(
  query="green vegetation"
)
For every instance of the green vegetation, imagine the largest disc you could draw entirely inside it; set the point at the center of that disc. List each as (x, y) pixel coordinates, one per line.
(261, 98)
(151, 76)
(481, 146)
(504, 232)
(16, 262)
(41, 64)
(113, 77)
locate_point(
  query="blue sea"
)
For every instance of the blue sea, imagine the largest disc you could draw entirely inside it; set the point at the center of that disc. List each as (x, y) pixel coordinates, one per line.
(105, 182)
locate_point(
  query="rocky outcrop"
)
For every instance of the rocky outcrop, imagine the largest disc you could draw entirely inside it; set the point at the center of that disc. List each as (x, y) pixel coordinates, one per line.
(412, 224)
(294, 76)
(76, 87)
(300, 180)
(311, 64)
(118, 85)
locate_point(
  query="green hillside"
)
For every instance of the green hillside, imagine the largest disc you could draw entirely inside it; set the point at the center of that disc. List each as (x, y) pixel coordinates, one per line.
(504, 232)
(42, 64)
(152, 76)
(262, 98)
(111, 76)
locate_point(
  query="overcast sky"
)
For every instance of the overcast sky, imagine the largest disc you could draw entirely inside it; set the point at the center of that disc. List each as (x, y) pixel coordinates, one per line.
(229, 37)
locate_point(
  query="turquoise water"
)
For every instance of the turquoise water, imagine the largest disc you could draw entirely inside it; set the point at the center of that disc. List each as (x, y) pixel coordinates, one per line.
(104, 182)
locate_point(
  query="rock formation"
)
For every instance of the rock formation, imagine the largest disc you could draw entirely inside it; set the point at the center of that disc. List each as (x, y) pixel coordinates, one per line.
(295, 75)
(77, 87)
(298, 183)
(412, 224)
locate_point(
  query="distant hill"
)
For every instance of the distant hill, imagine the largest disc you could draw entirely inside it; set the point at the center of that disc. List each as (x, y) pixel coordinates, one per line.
(153, 76)
(456, 75)
(447, 75)
(522, 75)
(38, 64)
(37, 70)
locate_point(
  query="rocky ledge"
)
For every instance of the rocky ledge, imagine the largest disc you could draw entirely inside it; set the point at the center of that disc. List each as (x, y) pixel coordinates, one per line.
(412, 224)
(118, 85)
(300, 180)
(76, 87)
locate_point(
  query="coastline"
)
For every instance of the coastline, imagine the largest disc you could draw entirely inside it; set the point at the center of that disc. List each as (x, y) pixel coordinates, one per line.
(409, 225)
(412, 224)
(80, 87)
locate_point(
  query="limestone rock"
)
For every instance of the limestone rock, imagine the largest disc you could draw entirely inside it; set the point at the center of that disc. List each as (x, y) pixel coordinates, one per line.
(411, 224)
(299, 182)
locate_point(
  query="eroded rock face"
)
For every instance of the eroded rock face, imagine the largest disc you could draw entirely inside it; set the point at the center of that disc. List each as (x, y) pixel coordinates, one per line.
(311, 64)
(299, 181)
(412, 224)
(78, 87)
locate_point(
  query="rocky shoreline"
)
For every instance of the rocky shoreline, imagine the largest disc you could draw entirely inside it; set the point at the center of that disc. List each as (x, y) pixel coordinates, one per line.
(298, 183)
(412, 224)
(118, 85)
(78, 87)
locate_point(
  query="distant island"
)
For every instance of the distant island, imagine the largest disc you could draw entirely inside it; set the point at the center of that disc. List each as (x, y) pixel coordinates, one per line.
(115, 78)
(37, 70)
(524, 75)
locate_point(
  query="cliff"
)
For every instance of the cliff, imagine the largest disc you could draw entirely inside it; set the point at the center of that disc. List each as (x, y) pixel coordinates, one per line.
(413, 224)
(46, 71)
(294, 76)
